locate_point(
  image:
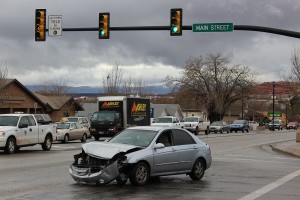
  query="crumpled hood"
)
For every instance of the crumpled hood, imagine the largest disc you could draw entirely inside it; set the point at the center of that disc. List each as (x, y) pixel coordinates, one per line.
(105, 149)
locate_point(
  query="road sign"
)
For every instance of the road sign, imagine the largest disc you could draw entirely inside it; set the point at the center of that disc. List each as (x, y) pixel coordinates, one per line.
(276, 114)
(55, 28)
(213, 27)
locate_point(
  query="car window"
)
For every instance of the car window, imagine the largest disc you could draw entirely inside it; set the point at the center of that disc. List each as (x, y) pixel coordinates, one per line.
(165, 138)
(31, 121)
(84, 120)
(72, 126)
(134, 137)
(182, 138)
(24, 121)
(78, 126)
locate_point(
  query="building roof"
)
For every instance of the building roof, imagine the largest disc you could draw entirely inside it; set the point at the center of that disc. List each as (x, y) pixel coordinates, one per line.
(57, 102)
(5, 82)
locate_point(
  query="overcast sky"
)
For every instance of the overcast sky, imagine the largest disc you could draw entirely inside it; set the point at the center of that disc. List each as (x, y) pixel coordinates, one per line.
(82, 59)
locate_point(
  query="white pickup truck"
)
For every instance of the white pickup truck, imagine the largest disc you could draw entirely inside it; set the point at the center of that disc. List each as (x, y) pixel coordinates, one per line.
(20, 130)
(170, 121)
(196, 124)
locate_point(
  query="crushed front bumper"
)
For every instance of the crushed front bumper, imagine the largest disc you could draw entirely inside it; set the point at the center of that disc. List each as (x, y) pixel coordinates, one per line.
(104, 176)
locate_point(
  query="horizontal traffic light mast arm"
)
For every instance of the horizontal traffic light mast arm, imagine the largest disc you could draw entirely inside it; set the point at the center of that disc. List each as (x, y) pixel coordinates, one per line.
(155, 28)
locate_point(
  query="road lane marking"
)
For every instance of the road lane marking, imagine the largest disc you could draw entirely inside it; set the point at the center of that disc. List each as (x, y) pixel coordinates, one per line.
(72, 147)
(254, 195)
(255, 160)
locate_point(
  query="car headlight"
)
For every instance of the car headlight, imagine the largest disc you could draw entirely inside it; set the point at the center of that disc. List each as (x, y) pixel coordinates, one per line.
(2, 133)
(93, 129)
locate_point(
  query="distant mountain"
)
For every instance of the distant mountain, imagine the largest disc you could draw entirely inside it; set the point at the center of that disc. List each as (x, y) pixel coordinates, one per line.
(94, 91)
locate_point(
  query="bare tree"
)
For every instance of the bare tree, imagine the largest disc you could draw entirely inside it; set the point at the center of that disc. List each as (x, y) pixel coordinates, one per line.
(113, 80)
(3, 76)
(214, 83)
(3, 73)
(135, 86)
(54, 87)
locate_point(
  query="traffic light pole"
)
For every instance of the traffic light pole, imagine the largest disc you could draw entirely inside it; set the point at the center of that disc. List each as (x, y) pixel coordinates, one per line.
(167, 28)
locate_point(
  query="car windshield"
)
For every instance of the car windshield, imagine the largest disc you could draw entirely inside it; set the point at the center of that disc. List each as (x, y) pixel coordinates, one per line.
(238, 122)
(63, 125)
(191, 119)
(103, 116)
(72, 119)
(163, 120)
(9, 120)
(134, 137)
(218, 123)
(275, 122)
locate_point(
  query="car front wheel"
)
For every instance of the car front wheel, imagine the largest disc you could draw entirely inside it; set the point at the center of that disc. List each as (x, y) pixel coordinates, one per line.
(197, 170)
(10, 146)
(139, 175)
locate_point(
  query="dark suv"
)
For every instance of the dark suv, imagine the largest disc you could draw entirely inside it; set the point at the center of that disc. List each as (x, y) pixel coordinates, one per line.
(239, 125)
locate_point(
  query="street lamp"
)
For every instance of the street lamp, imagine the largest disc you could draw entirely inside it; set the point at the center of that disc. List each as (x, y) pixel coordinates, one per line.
(273, 128)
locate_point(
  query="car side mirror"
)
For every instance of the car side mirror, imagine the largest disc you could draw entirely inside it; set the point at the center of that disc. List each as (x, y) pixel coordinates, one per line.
(159, 146)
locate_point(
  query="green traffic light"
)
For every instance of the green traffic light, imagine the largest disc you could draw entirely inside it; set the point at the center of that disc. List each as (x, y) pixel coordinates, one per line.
(174, 29)
(102, 32)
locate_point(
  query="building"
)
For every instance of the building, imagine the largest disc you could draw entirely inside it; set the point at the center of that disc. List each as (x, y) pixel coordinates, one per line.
(15, 97)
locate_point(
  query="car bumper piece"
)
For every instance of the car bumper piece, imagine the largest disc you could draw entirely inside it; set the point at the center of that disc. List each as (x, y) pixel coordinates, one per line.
(104, 176)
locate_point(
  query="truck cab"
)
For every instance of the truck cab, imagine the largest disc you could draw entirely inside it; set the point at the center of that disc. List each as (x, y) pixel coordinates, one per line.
(105, 123)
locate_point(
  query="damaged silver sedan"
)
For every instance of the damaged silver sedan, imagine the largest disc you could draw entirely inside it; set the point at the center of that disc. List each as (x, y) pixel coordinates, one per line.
(139, 153)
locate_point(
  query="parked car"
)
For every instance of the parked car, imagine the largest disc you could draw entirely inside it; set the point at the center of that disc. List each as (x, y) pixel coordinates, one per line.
(81, 120)
(277, 125)
(292, 125)
(138, 153)
(219, 126)
(239, 125)
(67, 131)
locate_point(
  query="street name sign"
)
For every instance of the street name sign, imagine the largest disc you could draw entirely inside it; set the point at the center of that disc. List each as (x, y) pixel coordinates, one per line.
(213, 27)
(55, 28)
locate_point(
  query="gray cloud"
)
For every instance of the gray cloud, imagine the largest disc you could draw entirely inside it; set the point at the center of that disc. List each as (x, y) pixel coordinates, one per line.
(33, 62)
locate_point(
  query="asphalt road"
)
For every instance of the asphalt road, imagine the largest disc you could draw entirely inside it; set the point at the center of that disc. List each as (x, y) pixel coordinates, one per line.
(244, 167)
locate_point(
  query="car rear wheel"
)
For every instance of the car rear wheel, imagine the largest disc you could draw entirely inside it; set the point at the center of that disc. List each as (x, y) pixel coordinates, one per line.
(198, 170)
(84, 138)
(197, 130)
(46, 146)
(139, 174)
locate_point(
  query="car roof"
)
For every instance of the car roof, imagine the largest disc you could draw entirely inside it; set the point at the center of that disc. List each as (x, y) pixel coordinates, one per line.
(151, 128)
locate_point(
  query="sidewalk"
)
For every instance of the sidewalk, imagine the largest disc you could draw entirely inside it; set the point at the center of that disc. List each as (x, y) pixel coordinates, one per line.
(289, 147)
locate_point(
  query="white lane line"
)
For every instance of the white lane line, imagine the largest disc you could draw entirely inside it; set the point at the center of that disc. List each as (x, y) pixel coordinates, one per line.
(255, 160)
(271, 186)
(63, 147)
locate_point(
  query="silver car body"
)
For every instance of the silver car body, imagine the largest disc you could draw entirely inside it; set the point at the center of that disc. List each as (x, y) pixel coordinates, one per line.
(115, 159)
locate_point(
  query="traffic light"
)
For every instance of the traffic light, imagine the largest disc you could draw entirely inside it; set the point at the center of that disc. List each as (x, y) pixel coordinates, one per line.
(176, 22)
(103, 26)
(40, 25)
